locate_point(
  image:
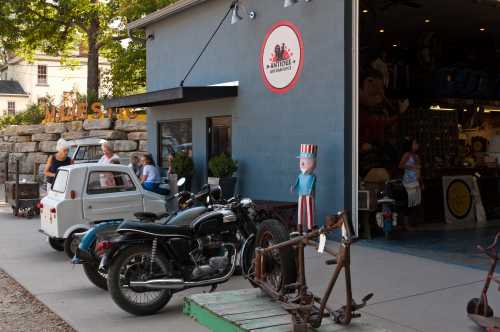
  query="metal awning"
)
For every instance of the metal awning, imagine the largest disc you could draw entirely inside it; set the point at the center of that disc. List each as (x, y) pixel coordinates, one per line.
(171, 96)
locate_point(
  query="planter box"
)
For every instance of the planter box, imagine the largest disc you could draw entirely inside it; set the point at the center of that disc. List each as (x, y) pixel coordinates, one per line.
(228, 185)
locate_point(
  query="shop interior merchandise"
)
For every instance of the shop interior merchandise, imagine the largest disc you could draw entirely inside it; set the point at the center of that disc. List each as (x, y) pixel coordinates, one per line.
(430, 71)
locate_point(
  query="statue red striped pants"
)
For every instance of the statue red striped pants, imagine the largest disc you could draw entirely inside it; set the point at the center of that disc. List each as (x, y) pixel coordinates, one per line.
(306, 212)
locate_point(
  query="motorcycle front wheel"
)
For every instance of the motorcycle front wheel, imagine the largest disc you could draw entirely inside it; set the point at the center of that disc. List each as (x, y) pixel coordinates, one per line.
(134, 264)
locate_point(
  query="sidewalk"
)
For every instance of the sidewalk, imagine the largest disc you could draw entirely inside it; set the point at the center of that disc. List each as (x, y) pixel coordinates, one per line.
(411, 293)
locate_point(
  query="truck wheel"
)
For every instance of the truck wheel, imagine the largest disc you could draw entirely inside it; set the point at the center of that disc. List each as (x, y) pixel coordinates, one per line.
(280, 265)
(71, 243)
(56, 244)
(95, 277)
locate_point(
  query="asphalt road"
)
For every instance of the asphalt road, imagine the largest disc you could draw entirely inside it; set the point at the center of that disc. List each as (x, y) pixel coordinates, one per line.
(411, 293)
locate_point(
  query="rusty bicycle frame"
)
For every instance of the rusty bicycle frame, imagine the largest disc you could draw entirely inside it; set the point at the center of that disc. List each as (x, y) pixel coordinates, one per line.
(296, 298)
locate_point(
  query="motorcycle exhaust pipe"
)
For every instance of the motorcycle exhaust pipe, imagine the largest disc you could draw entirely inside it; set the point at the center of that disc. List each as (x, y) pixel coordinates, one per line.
(160, 284)
(181, 284)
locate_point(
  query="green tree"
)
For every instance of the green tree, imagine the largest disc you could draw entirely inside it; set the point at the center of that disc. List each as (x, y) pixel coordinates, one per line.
(34, 114)
(127, 73)
(56, 27)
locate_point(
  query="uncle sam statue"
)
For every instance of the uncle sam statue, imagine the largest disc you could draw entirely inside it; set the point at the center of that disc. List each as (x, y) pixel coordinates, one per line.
(305, 186)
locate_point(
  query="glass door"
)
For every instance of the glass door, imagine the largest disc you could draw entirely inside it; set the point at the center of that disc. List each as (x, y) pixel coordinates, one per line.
(174, 136)
(219, 130)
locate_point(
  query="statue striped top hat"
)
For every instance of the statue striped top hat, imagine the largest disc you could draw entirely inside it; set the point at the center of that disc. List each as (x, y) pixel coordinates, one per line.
(308, 151)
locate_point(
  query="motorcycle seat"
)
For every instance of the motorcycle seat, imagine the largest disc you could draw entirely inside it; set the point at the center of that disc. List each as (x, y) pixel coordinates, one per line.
(149, 216)
(155, 229)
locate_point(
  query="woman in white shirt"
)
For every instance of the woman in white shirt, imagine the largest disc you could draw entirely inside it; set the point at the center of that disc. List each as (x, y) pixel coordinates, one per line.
(150, 178)
(108, 154)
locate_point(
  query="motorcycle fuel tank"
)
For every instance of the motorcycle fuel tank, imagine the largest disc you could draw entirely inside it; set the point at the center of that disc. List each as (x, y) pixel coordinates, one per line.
(214, 222)
(186, 217)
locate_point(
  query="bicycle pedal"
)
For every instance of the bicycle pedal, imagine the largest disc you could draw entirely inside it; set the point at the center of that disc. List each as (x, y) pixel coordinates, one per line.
(293, 286)
(367, 297)
(332, 261)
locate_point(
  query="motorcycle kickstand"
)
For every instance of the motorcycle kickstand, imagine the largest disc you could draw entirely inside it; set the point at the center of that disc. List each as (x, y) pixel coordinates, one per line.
(212, 289)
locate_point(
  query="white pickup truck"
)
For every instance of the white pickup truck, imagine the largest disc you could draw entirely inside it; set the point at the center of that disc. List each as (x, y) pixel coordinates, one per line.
(86, 194)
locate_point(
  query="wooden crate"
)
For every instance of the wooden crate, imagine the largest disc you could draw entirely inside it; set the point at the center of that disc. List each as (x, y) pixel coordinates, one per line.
(27, 190)
(248, 310)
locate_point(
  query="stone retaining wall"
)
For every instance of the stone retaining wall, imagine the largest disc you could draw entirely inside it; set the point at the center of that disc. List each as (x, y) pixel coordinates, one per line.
(32, 144)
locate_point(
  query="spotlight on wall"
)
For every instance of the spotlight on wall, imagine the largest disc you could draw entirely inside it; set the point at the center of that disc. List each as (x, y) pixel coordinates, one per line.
(235, 17)
(289, 3)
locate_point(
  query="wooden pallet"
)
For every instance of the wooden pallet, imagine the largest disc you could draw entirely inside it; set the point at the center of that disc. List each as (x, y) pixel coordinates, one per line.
(248, 310)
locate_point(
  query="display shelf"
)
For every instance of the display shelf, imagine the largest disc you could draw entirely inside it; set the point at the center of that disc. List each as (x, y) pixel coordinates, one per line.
(248, 310)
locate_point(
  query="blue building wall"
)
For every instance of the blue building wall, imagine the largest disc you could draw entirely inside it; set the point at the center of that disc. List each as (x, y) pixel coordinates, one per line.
(267, 128)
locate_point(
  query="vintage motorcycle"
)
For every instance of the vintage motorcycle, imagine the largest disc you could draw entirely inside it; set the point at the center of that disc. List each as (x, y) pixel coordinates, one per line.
(89, 253)
(196, 248)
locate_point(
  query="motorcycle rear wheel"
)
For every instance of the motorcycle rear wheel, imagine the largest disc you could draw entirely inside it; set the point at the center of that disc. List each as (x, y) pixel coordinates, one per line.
(124, 268)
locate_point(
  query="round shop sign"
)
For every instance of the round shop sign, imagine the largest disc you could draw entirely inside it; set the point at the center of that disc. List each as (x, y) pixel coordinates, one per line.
(459, 199)
(282, 57)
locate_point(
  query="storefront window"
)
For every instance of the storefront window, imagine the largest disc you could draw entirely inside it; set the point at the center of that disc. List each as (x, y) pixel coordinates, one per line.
(175, 136)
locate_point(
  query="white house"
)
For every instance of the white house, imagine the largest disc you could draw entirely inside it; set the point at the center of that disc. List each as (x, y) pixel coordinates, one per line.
(12, 97)
(43, 76)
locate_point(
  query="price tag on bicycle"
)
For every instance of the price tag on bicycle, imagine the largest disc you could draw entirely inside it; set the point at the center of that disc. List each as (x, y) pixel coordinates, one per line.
(322, 243)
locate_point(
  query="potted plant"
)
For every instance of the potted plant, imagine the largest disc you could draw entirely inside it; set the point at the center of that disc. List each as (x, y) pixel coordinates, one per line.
(222, 168)
(183, 167)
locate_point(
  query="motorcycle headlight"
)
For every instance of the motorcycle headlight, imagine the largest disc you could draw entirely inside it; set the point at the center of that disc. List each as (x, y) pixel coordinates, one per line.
(246, 202)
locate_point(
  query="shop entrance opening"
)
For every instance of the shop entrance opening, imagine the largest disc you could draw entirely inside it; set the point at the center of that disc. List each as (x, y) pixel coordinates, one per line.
(219, 136)
(429, 119)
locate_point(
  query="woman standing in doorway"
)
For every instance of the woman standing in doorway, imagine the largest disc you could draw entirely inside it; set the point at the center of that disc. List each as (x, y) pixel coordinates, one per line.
(59, 159)
(412, 180)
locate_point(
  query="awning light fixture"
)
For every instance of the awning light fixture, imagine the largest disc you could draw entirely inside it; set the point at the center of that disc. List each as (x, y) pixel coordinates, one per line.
(235, 17)
(290, 3)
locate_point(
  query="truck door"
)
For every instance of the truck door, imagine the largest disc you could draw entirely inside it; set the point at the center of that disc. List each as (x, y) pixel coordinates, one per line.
(111, 195)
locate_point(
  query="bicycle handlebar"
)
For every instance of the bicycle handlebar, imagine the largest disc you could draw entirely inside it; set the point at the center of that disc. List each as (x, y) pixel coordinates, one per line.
(491, 247)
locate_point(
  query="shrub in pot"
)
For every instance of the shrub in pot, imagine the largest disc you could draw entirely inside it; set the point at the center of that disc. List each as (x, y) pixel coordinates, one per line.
(182, 166)
(222, 168)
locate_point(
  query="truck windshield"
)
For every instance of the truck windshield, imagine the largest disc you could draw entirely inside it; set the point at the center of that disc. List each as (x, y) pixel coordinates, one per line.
(60, 181)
